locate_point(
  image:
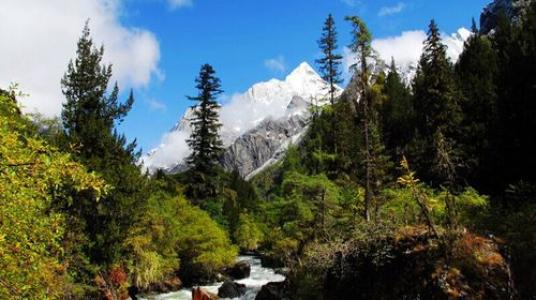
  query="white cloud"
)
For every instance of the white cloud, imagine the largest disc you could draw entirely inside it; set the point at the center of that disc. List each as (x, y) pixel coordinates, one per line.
(351, 3)
(392, 10)
(174, 4)
(276, 64)
(156, 105)
(39, 37)
(174, 145)
(407, 47)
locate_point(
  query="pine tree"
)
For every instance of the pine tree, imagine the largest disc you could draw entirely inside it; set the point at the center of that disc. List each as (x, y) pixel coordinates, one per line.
(435, 101)
(89, 113)
(361, 46)
(330, 61)
(89, 117)
(476, 73)
(397, 114)
(205, 141)
(513, 136)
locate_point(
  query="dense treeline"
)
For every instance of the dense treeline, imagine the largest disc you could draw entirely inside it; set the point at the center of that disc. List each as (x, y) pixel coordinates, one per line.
(461, 130)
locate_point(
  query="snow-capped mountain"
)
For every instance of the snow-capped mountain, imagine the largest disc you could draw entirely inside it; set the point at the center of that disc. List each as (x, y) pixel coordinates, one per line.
(257, 125)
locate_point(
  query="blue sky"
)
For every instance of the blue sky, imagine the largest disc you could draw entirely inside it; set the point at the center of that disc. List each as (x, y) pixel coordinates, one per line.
(158, 46)
(238, 36)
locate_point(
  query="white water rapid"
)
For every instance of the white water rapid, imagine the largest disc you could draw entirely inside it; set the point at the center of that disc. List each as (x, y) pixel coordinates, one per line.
(259, 276)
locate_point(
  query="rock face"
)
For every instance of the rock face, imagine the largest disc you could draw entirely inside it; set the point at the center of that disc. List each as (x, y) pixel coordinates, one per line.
(240, 270)
(258, 125)
(202, 294)
(490, 15)
(231, 289)
(265, 144)
(512, 9)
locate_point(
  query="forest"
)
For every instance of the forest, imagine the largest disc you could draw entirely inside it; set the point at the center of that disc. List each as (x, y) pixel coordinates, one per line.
(399, 190)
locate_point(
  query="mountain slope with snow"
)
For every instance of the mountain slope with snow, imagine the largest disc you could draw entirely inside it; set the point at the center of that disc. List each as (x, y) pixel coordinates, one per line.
(275, 112)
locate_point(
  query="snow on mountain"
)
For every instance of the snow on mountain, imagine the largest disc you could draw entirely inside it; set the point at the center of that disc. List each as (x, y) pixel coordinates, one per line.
(407, 48)
(270, 100)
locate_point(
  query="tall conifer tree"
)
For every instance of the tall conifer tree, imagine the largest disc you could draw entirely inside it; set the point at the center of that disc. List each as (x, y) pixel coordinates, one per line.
(397, 114)
(361, 46)
(330, 61)
(205, 141)
(89, 112)
(435, 102)
(476, 73)
(89, 117)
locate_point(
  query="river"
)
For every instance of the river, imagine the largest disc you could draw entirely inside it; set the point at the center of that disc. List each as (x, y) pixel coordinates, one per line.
(259, 276)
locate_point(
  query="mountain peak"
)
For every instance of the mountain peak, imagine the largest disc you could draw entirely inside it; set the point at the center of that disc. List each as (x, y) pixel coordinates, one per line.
(303, 71)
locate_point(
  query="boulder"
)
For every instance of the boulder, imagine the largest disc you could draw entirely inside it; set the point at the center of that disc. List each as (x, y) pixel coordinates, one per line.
(240, 270)
(231, 289)
(273, 291)
(202, 294)
(168, 285)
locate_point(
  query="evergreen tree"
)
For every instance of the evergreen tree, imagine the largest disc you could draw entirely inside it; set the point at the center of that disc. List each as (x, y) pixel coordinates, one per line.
(89, 117)
(476, 73)
(361, 46)
(513, 135)
(435, 101)
(89, 113)
(205, 141)
(397, 114)
(330, 61)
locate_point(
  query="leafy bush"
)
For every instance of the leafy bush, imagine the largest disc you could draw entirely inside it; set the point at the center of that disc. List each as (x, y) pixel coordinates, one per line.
(153, 241)
(401, 208)
(174, 235)
(32, 176)
(247, 235)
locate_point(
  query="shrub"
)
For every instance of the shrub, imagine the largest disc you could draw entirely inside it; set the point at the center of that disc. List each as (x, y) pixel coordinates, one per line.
(248, 236)
(32, 176)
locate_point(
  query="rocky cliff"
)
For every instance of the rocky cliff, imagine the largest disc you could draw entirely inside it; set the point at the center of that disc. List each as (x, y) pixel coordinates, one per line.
(266, 143)
(512, 9)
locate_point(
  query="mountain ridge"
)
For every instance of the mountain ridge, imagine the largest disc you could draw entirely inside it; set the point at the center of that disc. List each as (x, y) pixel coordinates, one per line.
(278, 104)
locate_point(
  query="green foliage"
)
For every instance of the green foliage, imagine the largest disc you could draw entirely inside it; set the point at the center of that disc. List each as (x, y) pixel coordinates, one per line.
(89, 114)
(153, 241)
(174, 236)
(248, 235)
(362, 38)
(203, 247)
(89, 118)
(436, 103)
(32, 176)
(397, 114)
(513, 144)
(330, 61)
(476, 73)
(205, 141)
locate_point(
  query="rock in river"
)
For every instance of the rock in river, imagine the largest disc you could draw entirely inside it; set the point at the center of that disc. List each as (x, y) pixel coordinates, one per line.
(231, 289)
(202, 294)
(273, 291)
(240, 270)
